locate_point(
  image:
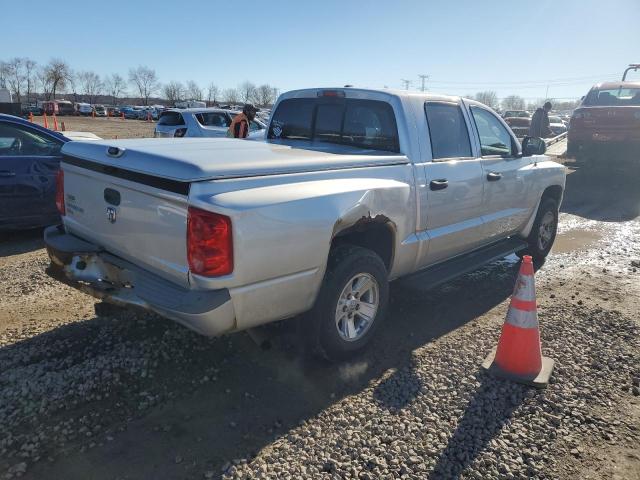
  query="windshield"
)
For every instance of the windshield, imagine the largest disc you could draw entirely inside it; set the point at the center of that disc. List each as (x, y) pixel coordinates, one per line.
(555, 120)
(613, 97)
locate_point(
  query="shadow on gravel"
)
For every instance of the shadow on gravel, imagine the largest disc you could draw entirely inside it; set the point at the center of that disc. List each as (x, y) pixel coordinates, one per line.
(206, 402)
(610, 195)
(490, 408)
(420, 317)
(15, 243)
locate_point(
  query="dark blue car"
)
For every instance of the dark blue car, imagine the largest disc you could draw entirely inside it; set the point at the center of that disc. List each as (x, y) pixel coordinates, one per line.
(29, 161)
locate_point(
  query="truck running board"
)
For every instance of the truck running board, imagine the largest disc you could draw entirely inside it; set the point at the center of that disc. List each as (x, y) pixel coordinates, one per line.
(443, 272)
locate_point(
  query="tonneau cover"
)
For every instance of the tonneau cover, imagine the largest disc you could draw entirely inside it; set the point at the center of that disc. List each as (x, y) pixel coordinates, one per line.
(195, 159)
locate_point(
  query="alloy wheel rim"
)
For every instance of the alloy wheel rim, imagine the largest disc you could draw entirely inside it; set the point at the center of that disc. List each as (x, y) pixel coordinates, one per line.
(357, 307)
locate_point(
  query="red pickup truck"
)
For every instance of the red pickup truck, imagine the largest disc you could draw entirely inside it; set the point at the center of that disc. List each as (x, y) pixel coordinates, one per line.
(606, 126)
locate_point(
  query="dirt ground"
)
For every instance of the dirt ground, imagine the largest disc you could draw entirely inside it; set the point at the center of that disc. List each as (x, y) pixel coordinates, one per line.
(106, 128)
(131, 396)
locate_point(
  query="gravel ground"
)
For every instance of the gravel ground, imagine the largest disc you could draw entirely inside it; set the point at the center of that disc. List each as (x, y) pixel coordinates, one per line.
(131, 396)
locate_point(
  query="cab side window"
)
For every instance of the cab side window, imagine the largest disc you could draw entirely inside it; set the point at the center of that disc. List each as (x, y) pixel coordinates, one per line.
(447, 131)
(22, 141)
(494, 137)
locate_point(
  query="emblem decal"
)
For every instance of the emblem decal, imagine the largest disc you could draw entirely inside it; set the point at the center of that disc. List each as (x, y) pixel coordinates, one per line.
(111, 214)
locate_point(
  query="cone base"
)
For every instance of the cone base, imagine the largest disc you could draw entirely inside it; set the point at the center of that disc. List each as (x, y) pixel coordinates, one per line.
(539, 381)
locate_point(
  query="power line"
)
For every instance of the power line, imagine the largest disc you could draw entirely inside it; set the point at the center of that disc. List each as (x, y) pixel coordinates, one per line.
(533, 83)
(406, 83)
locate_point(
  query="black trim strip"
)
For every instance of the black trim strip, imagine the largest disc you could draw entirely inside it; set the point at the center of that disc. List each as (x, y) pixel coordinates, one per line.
(166, 184)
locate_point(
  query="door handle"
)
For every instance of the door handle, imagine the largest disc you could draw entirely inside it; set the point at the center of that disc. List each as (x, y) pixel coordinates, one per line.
(439, 184)
(7, 174)
(493, 176)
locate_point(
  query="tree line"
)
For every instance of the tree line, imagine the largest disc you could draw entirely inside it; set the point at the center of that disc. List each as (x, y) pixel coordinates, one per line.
(515, 102)
(29, 82)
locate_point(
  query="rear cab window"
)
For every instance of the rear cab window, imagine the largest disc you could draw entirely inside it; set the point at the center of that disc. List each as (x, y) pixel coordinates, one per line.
(171, 119)
(368, 124)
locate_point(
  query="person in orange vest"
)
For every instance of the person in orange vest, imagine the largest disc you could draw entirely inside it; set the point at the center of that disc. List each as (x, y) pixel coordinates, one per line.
(239, 127)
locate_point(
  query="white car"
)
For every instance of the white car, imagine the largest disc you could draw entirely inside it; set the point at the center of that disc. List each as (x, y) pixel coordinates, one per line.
(145, 112)
(556, 125)
(83, 109)
(202, 122)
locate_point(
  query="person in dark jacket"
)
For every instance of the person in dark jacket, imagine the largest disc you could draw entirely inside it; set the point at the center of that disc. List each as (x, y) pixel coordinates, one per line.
(540, 122)
(239, 127)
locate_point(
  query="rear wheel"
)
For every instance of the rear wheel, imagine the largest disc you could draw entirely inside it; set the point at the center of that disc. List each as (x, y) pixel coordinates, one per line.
(351, 303)
(543, 232)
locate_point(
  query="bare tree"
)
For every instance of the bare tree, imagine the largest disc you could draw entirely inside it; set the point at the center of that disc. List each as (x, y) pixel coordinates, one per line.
(194, 92)
(15, 76)
(513, 102)
(212, 93)
(265, 95)
(30, 71)
(3, 74)
(58, 74)
(489, 98)
(90, 85)
(73, 82)
(247, 91)
(231, 95)
(44, 81)
(173, 91)
(115, 86)
(145, 80)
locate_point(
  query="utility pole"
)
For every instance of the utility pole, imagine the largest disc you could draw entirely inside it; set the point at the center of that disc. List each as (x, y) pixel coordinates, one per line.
(423, 78)
(406, 83)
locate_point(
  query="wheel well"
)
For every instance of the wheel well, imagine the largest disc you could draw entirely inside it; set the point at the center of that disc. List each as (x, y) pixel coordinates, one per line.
(371, 234)
(554, 192)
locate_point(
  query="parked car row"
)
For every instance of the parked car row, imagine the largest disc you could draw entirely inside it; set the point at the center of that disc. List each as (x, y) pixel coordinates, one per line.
(520, 121)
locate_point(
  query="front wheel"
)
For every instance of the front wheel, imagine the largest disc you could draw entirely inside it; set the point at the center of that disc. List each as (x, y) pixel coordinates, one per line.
(543, 232)
(351, 304)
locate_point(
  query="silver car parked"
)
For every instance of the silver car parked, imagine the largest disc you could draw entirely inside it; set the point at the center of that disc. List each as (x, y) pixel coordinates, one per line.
(201, 122)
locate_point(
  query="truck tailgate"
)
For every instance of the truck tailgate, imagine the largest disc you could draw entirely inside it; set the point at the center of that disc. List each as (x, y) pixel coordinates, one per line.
(139, 220)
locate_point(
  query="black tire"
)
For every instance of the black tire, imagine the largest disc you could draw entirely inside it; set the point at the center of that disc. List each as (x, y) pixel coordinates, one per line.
(320, 329)
(539, 248)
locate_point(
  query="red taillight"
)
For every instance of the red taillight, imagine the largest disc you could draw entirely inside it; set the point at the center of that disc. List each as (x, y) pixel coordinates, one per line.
(209, 243)
(60, 192)
(180, 132)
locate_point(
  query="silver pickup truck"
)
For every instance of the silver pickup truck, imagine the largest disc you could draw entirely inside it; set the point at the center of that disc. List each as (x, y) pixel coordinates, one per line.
(350, 189)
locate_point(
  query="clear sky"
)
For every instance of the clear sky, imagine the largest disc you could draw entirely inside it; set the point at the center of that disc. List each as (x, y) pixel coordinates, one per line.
(512, 47)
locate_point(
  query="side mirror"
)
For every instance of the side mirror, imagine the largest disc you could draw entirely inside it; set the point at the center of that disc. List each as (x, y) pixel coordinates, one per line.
(533, 146)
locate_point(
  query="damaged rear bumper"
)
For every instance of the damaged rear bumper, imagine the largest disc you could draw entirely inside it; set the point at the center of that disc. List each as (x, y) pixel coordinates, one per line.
(90, 269)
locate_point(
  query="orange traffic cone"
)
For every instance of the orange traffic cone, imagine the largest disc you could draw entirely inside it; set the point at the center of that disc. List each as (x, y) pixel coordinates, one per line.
(31, 117)
(46, 122)
(55, 123)
(63, 129)
(519, 356)
(148, 116)
(122, 116)
(93, 113)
